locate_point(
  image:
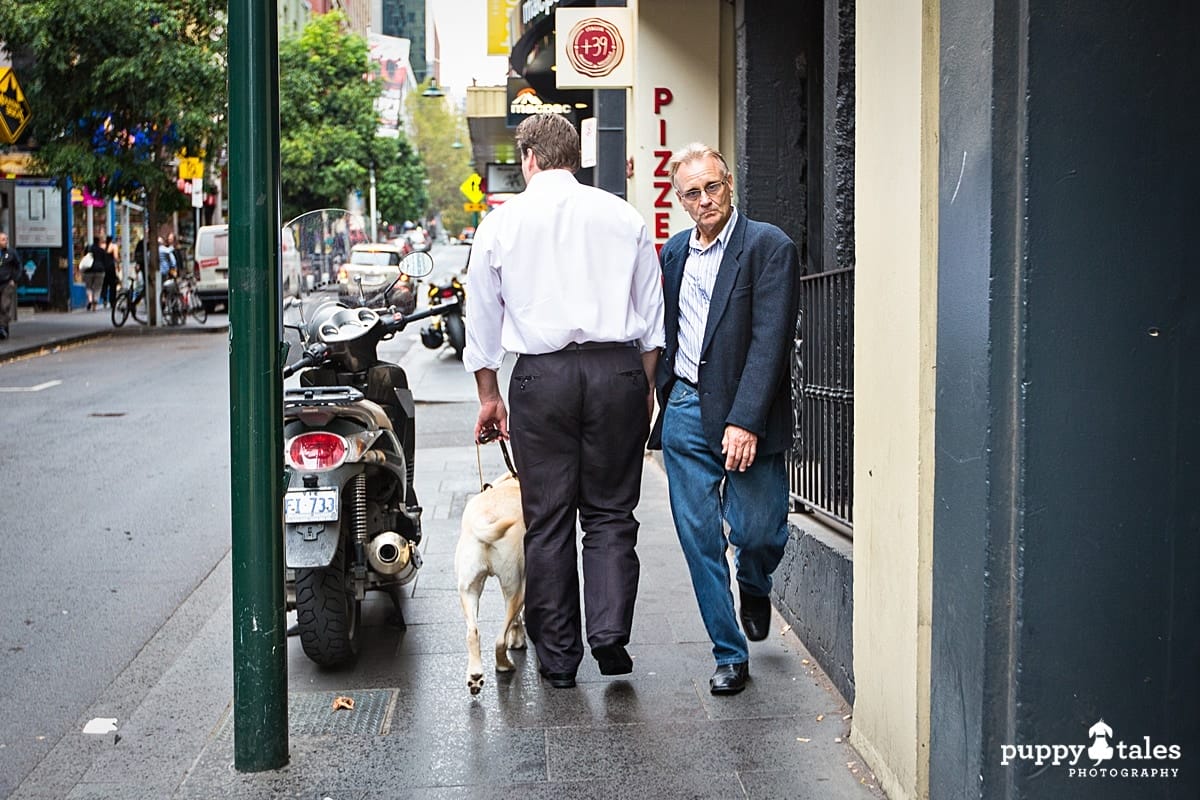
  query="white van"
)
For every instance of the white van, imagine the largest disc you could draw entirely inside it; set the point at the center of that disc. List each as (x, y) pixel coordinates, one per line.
(212, 266)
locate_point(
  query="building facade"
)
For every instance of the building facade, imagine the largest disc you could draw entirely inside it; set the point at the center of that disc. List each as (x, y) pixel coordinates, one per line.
(405, 19)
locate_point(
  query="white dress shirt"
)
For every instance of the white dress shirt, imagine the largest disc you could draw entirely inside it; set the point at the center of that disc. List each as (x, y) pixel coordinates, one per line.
(695, 294)
(561, 263)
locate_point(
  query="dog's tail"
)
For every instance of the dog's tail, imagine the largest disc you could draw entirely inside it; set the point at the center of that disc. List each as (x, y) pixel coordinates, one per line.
(491, 514)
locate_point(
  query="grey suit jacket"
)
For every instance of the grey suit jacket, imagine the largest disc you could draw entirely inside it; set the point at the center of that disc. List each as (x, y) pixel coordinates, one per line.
(745, 358)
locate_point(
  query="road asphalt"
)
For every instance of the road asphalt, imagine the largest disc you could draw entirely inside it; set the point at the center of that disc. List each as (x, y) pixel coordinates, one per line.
(164, 728)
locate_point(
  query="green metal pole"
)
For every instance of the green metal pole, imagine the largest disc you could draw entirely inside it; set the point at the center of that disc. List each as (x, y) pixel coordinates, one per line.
(260, 737)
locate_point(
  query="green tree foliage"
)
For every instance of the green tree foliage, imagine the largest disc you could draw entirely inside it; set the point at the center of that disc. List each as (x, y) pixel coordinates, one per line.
(436, 126)
(399, 180)
(328, 123)
(118, 88)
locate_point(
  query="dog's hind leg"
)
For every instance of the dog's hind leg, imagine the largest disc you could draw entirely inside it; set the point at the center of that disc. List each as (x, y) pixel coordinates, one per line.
(512, 634)
(468, 596)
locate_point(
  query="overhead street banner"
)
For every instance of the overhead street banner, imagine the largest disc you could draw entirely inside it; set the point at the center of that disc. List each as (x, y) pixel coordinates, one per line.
(498, 14)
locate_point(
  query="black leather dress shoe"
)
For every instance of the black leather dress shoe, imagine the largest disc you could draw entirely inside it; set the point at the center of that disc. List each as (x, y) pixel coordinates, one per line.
(756, 616)
(559, 680)
(613, 659)
(729, 678)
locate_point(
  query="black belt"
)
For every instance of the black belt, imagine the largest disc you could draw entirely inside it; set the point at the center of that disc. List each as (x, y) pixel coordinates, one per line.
(598, 345)
(686, 382)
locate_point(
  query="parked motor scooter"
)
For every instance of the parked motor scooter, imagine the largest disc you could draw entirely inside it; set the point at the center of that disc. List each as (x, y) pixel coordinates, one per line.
(450, 326)
(352, 521)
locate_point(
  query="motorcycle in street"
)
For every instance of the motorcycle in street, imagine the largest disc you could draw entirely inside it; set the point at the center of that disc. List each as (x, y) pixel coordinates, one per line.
(448, 328)
(352, 521)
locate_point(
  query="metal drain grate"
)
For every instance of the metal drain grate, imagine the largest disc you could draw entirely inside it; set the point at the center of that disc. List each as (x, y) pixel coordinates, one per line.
(312, 714)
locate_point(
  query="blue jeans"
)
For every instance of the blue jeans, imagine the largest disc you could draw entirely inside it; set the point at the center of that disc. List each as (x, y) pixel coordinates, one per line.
(754, 503)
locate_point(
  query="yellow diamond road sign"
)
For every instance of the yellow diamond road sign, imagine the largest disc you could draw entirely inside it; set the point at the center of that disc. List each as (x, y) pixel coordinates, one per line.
(14, 108)
(471, 188)
(191, 169)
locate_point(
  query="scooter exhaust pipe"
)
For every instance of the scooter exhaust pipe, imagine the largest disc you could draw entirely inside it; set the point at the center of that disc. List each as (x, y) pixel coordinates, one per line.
(390, 553)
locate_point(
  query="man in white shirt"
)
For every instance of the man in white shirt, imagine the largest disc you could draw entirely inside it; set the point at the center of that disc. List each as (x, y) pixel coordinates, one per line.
(566, 277)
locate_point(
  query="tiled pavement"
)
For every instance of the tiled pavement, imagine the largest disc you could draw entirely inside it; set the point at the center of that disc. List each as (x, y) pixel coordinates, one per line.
(416, 732)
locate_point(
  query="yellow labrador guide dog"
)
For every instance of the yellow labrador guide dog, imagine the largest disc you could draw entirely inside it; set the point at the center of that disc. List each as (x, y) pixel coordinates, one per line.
(492, 542)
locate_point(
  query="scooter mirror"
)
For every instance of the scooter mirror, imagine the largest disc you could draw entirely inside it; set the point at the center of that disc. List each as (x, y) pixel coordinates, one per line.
(417, 264)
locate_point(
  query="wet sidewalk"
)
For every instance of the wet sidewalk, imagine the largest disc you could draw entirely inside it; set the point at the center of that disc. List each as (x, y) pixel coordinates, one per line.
(416, 732)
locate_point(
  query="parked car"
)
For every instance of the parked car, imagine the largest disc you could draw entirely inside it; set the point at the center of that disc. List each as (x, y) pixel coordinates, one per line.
(372, 268)
(467, 236)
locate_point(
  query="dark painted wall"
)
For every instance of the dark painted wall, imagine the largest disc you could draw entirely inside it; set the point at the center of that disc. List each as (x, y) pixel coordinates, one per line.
(1067, 521)
(777, 85)
(814, 591)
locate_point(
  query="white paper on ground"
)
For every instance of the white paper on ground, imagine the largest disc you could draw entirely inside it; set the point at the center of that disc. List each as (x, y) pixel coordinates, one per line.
(101, 725)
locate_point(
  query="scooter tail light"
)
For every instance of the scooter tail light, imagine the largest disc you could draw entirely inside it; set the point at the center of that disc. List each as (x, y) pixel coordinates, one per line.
(447, 293)
(316, 451)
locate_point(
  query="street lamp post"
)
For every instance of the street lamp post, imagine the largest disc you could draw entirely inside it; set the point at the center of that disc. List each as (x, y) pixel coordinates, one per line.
(374, 213)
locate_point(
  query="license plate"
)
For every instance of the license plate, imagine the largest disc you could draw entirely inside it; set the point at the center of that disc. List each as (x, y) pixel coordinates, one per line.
(317, 505)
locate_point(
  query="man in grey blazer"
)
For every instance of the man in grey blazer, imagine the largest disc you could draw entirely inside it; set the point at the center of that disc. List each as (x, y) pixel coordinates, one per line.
(731, 294)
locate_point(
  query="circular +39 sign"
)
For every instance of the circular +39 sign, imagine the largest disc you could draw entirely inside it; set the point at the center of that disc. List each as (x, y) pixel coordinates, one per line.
(596, 47)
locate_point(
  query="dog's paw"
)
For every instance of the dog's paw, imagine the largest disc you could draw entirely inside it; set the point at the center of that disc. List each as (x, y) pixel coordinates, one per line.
(504, 665)
(516, 640)
(475, 682)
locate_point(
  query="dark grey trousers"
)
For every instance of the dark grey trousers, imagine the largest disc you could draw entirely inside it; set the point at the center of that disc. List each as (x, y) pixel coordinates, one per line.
(578, 423)
(8, 303)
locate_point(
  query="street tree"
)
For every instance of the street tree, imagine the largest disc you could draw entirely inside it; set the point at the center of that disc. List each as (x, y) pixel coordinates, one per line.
(400, 179)
(118, 90)
(437, 126)
(328, 124)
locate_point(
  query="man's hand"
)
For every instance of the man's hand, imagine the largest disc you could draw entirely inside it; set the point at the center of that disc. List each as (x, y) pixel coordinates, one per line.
(493, 416)
(649, 365)
(739, 446)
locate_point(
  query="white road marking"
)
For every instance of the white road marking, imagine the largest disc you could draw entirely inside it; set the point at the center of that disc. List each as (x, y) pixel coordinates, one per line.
(38, 388)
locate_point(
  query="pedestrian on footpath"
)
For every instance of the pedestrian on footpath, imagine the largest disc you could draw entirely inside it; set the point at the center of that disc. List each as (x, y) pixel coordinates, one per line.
(11, 274)
(731, 291)
(93, 271)
(166, 259)
(565, 276)
(177, 253)
(108, 292)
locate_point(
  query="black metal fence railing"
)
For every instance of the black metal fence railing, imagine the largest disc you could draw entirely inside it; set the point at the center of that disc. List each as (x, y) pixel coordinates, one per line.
(821, 465)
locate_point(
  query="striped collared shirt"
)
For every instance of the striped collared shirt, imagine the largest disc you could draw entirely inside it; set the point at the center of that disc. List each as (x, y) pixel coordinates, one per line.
(699, 275)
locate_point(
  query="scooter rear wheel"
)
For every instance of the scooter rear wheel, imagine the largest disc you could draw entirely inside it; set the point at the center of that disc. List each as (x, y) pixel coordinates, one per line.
(327, 612)
(456, 334)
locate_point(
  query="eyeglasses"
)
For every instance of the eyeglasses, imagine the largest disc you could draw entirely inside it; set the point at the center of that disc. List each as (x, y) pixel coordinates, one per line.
(711, 189)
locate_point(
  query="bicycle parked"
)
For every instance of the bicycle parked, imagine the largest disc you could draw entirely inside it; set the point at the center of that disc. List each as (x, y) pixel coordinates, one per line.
(191, 299)
(180, 299)
(131, 301)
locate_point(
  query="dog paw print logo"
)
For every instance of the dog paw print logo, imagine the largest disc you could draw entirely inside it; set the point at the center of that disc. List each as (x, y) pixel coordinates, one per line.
(1100, 750)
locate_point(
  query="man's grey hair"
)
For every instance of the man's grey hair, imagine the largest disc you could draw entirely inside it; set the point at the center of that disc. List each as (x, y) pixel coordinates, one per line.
(694, 152)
